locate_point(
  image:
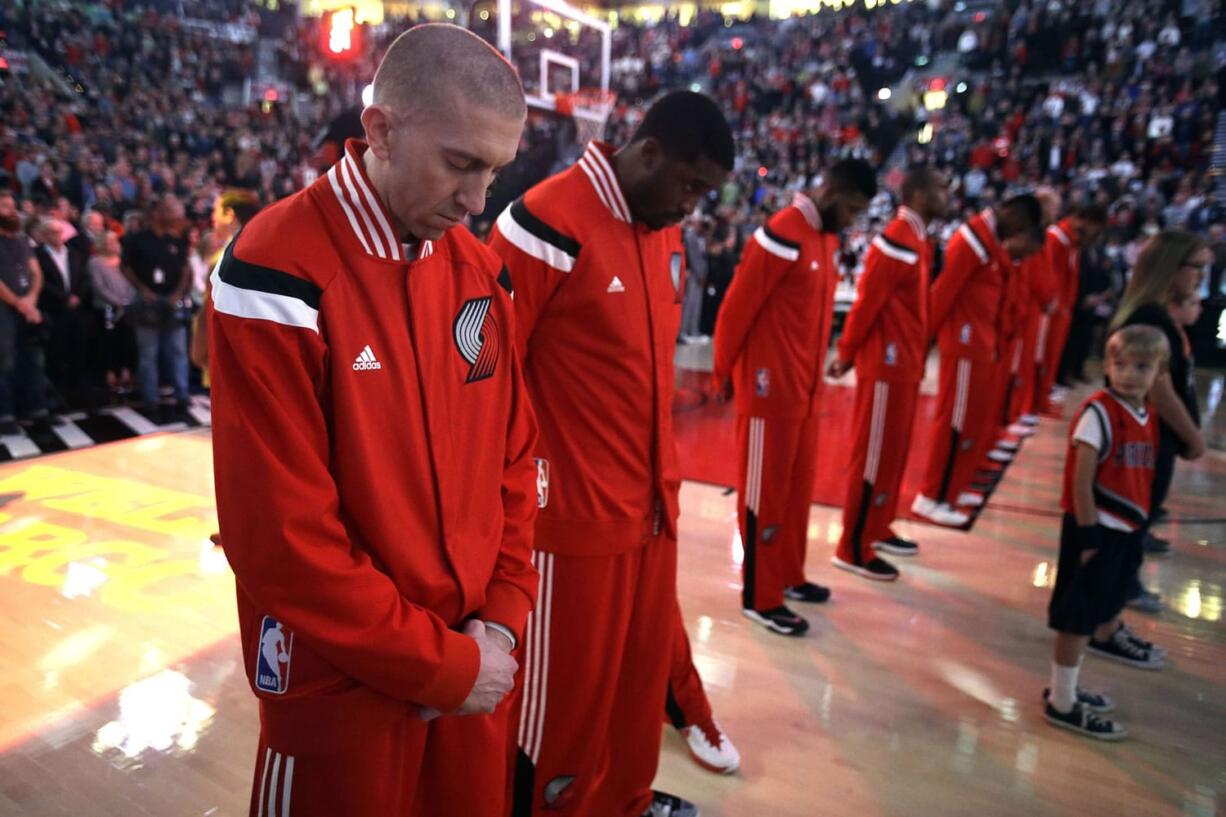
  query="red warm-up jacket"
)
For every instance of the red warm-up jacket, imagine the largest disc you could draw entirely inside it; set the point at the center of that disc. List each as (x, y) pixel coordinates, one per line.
(373, 445)
(968, 297)
(598, 304)
(886, 332)
(774, 326)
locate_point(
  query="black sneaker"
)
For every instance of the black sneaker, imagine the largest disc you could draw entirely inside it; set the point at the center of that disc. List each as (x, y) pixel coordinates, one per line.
(670, 805)
(1153, 648)
(779, 620)
(1098, 704)
(1081, 720)
(1122, 649)
(807, 592)
(877, 569)
(897, 546)
(1154, 546)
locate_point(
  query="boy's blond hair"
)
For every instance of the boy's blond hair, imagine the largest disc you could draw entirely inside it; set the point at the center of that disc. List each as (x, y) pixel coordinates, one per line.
(1142, 340)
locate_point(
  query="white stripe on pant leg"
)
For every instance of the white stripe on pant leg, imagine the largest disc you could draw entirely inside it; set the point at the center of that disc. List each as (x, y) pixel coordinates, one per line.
(527, 709)
(881, 393)
(964, 379)
(753, 491)
(1040, 346)
(289, 785)
(548, 621)
(532, 695)
(264, 781)
(272, 788)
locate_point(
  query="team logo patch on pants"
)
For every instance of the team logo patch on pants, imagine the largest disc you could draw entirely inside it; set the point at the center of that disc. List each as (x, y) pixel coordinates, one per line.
(273, 660)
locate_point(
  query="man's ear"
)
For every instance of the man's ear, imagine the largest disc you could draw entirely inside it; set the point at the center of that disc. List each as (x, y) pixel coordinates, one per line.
(652, 152)
(377, 120)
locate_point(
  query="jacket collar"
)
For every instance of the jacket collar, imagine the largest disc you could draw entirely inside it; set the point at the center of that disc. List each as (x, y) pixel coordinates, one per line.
(916, 223)
(596, 164)
(1062, 232)
(809, 210)
(365, 213)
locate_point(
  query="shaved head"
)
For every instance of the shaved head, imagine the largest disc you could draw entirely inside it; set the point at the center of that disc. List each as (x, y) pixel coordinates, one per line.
(430, 66)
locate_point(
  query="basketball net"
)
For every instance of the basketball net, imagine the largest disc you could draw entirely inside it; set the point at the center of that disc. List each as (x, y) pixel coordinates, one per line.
(589, 108)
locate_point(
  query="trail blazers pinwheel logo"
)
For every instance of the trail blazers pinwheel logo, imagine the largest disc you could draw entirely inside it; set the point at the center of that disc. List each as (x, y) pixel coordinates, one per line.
(476, 337)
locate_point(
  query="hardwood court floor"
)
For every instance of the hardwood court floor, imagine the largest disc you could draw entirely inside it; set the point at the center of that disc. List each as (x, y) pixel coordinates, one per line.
(122, 690)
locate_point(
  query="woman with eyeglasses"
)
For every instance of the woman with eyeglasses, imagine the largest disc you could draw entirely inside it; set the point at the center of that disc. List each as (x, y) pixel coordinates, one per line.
(1163, 292)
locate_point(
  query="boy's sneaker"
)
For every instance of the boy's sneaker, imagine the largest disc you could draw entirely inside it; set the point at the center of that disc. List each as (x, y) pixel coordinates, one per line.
(970, 499)
(779, 620)
(939, 512)
(877, 569)
(1131, 635)
(897, 546)
(1098, 704)
(1122, 649)
(808, 592)
(1147, 601)
(670, 805)
(1081, 720)
(710, 747)
(1155, 546)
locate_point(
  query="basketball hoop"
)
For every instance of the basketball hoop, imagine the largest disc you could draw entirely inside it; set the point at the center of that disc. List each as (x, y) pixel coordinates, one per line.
(590, 109)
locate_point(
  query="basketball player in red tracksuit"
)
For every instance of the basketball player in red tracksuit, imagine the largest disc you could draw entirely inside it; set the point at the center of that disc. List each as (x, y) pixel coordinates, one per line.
(1064, 243)
(885, 336)
(770, 346)
(1038, 299)
(373, 447)
(598, 266)
(965, 308)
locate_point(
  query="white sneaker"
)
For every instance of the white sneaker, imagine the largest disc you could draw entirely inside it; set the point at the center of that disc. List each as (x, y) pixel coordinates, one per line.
(1005, 444)
(1031, 420)
(970, 499)
(1020, 429)
(711, 749)
(997, 455)
(938, 512)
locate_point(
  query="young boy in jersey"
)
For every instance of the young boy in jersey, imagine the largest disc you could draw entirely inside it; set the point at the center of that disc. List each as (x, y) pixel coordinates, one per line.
(1107, 480)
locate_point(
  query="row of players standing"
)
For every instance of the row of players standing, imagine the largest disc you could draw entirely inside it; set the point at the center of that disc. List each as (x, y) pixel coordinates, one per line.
(433, 600)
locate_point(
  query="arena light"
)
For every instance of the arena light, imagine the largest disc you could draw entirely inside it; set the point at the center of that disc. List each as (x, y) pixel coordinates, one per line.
(884, 94)
(342, 39)
(737, 43)
(925, 134)
(762, 171)
(484, 15)
(960, 87)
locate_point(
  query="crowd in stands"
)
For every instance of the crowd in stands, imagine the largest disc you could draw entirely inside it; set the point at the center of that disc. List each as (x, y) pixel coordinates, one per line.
(149, 118)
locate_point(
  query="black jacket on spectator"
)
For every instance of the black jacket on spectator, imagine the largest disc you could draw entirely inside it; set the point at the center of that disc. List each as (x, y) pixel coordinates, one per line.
(54, 296)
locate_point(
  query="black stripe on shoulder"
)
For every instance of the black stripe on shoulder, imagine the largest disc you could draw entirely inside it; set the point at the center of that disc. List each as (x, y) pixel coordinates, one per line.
(504, 280)
(900, 247)
(524, 218)
(245, 275)
(774, 236)
(1104, 425)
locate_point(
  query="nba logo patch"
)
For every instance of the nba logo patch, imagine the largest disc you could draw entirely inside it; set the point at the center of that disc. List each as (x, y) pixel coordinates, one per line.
(542, 482)
(674, 271)
(891, 354)
(272, 663)
(762, 382)
(965, 334)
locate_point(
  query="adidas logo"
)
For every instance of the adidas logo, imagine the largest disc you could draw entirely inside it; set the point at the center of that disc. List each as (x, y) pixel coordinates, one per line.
(366, 361)
(616, 285)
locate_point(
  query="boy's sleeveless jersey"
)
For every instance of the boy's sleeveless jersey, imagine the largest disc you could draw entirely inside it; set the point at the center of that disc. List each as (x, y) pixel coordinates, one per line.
(1125, 474)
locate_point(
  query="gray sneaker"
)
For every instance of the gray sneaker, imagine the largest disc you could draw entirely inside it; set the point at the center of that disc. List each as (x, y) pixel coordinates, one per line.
(1146, 602)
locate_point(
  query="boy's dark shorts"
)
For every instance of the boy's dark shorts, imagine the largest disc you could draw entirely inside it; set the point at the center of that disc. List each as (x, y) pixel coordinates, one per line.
(1089, 595)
